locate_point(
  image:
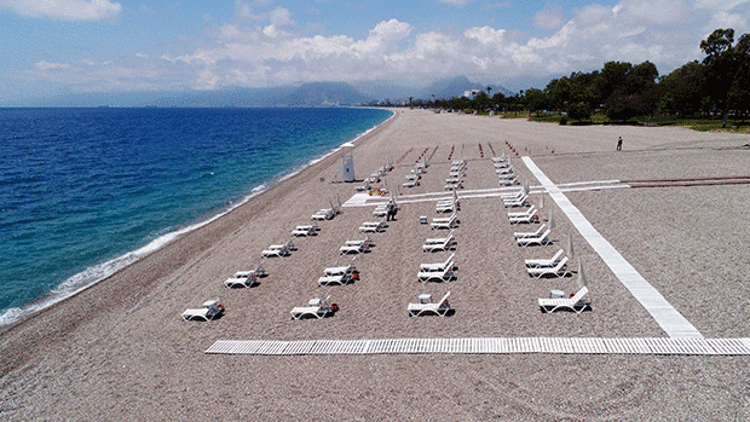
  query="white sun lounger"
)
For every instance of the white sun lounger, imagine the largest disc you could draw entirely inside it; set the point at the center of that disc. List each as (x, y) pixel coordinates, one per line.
(522, 202)
(543, 262)
(454, 186)
(513, 196)
(444, 223)
(438, 308)
(315, 307)
(413, 176)
(438, 266)
(411, 184)
(234, 282)
(339, 275)
(531, 210)
(306, 230)
(324, 214)
(348, 269)
(355, 246)
(506, 170)
(381, 210)
(329, 280)
(444, 274)
(439, 244)
(445, 207)
(522, 235)
(528, 217)
(508, 181)
(575, 303)
(542, 239)
(372, 227)
(259, 271)
(278, 250)
(501, 164)
(559, 270)
(208, 311)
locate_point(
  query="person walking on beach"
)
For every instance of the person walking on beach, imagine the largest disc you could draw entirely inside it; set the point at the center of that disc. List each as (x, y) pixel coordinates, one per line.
(389, 212)
(619, 144)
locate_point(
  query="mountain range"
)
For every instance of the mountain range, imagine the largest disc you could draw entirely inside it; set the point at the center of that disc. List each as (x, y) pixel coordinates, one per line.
(308, 94)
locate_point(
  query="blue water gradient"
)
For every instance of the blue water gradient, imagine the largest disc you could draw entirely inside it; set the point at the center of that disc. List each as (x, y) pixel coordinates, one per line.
(84, 192)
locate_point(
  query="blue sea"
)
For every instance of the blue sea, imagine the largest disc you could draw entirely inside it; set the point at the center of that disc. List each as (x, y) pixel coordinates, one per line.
(84, 192)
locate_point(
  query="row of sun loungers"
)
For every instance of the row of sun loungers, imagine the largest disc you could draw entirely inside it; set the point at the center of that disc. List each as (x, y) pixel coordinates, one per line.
(440, 271)
(412, 179)
(505, 172)
(556, 266)
(455, 175)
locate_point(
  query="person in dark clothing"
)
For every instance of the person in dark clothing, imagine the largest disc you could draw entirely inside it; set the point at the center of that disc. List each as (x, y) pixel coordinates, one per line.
(619, 144)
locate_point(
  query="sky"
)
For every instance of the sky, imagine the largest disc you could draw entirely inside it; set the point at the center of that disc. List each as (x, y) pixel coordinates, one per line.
(58, 47)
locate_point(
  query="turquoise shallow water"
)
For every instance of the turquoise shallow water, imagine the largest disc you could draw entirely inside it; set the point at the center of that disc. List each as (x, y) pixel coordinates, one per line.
(84, 192)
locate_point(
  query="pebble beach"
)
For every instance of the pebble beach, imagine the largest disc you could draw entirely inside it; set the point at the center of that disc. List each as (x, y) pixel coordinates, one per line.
(119, 350)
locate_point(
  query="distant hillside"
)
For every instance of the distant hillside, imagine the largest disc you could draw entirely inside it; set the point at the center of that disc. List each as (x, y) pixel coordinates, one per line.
(455, 87)
(309, 94)
(325, 93)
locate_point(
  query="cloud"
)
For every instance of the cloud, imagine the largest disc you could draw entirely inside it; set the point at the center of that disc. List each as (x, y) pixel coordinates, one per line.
(244, 11)
(280, 17)
(43, 65)
(249, 54)
(68, 10)
(551, 17)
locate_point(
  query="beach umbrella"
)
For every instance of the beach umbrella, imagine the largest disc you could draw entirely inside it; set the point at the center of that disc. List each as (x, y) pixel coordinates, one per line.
(551, 220)
(541, 199)
(569, 246)
(526, 186)
(581, 276)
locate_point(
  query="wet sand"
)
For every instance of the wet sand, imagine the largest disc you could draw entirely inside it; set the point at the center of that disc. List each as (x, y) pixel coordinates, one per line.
(120, 351)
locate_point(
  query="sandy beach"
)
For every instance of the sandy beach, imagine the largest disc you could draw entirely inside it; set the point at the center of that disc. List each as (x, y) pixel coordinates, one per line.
(120, 351)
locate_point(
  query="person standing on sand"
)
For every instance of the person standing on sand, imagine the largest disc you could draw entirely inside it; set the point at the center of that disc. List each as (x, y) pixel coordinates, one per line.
(619, 144)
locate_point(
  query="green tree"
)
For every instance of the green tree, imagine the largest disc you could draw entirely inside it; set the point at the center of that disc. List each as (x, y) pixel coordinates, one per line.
(682, 91)
(722, 64)
(535, 99)
(579, 111)
(558, 93)
(498, 101)
(481, 101)
(739, 94)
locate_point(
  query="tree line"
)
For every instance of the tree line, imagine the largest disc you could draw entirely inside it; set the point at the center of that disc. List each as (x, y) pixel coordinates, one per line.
(717, 85)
